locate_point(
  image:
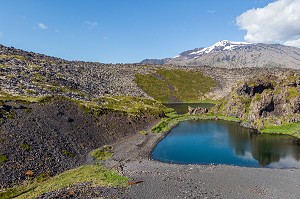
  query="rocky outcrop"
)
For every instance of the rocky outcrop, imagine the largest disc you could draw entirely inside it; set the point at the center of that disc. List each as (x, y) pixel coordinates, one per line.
(197, 110)
(265, 100)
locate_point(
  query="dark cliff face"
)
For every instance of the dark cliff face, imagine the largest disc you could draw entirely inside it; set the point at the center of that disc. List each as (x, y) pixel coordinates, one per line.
(53, 137)
(265, 100)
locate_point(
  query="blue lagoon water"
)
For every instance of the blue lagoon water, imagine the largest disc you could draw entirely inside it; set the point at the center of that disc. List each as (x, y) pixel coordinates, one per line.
(223, 142)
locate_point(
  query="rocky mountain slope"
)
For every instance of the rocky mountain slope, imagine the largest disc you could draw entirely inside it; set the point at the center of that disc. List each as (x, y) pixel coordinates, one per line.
(28, 73)
(32, 74)
(47, 137)
(228, 54)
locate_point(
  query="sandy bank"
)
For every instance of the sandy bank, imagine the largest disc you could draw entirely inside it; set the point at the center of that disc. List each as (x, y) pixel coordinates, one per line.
(163, 180)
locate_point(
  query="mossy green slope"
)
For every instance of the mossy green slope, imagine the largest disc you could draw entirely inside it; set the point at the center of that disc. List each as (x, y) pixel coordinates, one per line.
(185, 85)
(156, 88)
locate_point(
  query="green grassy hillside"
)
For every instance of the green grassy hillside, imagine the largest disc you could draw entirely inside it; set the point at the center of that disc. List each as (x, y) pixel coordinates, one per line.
(182, 85)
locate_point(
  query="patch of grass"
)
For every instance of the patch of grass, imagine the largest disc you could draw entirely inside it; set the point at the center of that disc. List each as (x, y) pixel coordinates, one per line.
(34, 67)
(68, 153)
(9, 97)
(156, 88)
(11, 76)
(98, 175)
(26, 146)
(43, 176)
(3, 158)
(71, 90)
(4, 66)
(103, 153)
(30, 92)
(130, 104)
(20, 57)
(292, 129)
(2, 56)
(143, 132)
(39, 77)
(257, 97)
(60, 75)
(11, 114)
(292, 93)
(23, 74)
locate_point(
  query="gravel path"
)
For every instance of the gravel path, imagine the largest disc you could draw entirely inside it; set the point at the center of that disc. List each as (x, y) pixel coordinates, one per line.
(196, 181)
(162, 180)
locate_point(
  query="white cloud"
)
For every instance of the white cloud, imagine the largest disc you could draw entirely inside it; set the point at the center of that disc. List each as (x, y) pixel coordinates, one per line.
(278, 22)
(293, 43)
(211, 11)
(91, 24)
(42, 26)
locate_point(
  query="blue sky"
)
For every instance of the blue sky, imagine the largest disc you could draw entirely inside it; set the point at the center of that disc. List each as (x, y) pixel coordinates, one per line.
(120, 31)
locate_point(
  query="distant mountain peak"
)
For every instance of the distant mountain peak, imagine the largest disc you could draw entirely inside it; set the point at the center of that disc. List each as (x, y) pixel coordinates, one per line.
(232, 54)
(224, 45)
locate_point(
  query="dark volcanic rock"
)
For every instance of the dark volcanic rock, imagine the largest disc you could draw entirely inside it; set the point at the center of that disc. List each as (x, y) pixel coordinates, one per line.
(56, 136)
(259, 87)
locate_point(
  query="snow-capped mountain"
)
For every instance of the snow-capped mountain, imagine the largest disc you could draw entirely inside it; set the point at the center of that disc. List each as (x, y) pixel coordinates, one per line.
(229, 54)
(224, 45)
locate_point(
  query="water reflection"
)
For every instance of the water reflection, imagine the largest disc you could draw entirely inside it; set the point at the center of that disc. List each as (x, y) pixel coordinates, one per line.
(223, 142)
(266, 149)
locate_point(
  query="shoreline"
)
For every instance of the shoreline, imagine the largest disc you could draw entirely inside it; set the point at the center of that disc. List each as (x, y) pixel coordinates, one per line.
(132, 157)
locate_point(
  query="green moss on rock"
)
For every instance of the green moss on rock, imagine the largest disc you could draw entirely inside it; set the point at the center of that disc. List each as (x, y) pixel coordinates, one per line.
(103, 153)
(3, 158)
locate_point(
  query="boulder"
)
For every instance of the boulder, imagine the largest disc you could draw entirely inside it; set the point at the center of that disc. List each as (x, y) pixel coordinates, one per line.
(197, 111)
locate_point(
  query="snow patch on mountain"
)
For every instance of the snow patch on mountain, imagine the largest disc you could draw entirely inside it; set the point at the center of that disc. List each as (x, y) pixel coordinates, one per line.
(224, 45)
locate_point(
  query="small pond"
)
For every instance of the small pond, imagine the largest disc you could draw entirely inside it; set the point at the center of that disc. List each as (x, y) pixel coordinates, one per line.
(223, 142)
(182, 108)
